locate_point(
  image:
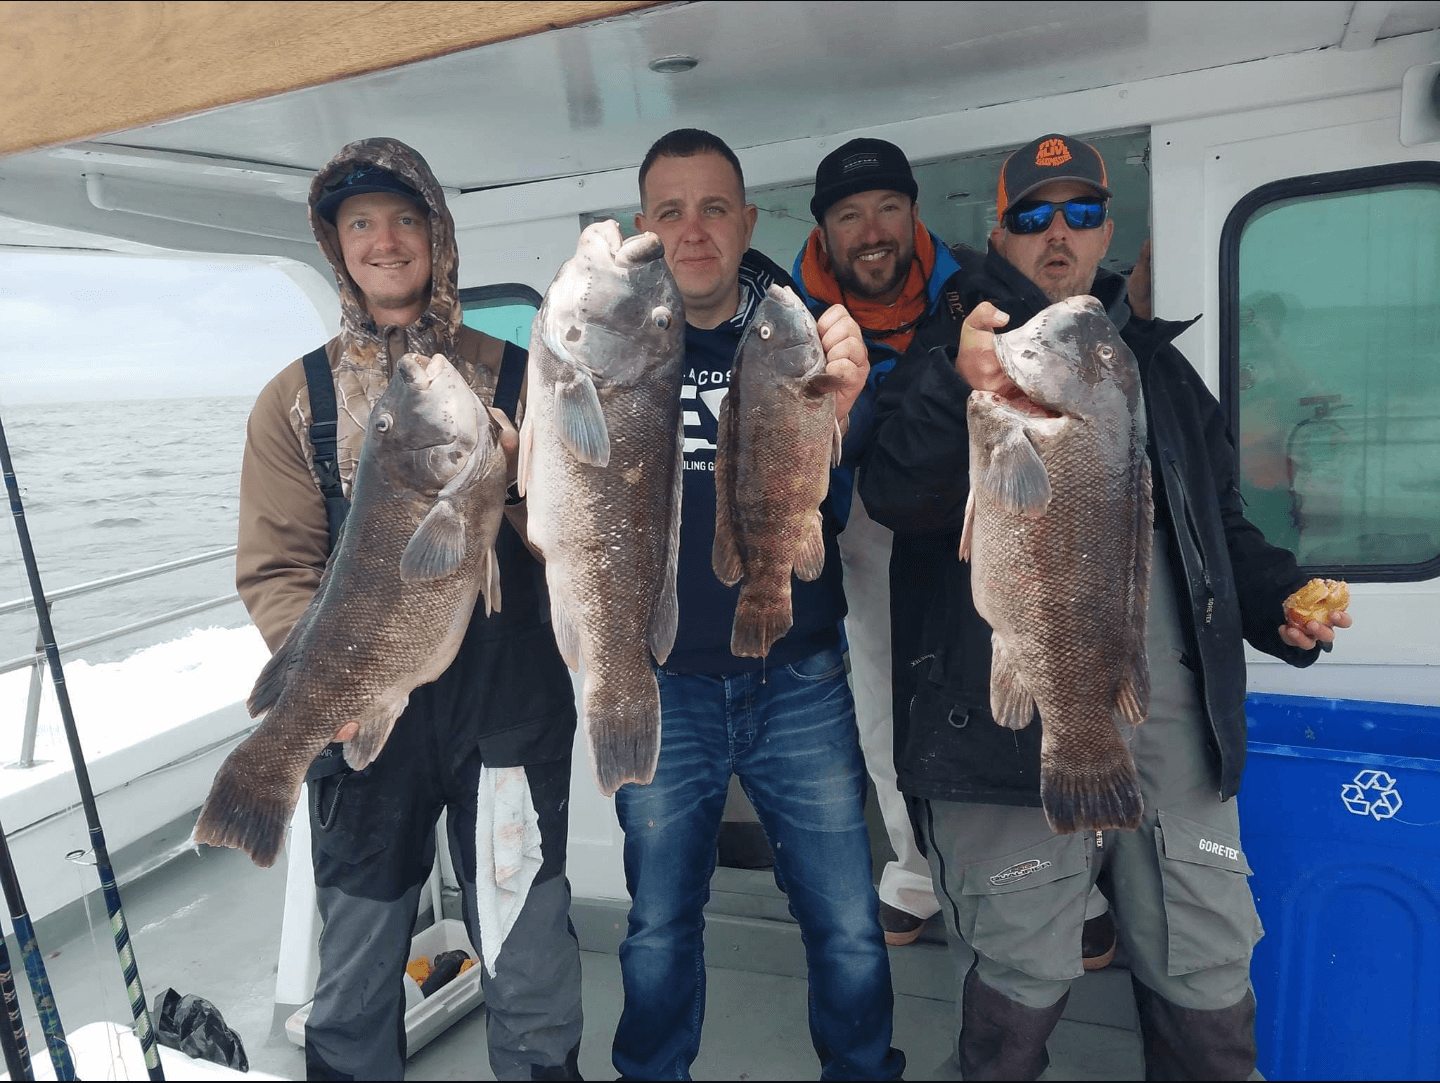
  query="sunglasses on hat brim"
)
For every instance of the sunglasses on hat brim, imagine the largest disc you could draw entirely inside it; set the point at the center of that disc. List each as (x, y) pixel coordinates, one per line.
(1035, 215)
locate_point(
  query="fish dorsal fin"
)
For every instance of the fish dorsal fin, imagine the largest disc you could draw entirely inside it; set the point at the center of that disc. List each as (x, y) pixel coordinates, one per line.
(275, 675)
(1017, 476)
(725, 554)
(490, 581)
(967, 535)
(1011, 702)
(567, 639)
(1133, 700)
(361, 750)
(810, 556)
(437, 546)
(580, 421)
(665, 617)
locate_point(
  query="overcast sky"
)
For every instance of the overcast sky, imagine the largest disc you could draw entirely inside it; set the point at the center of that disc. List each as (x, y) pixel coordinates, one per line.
(118, 327)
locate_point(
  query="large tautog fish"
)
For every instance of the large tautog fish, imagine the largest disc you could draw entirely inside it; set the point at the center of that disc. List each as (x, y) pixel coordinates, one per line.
(600, 467)
(1059, 531)
(777, 439)
(391, 608)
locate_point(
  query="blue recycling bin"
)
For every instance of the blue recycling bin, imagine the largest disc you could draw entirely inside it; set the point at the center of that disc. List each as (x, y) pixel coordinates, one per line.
(1340, 811)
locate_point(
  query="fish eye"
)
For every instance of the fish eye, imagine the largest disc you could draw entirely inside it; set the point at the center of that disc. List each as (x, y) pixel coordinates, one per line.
(1106, 352)
(661, 316)
(765, 331)
(383, 423)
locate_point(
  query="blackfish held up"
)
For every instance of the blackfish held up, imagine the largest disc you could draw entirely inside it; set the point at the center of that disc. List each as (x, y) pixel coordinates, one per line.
(416, 552)
(1059, 530)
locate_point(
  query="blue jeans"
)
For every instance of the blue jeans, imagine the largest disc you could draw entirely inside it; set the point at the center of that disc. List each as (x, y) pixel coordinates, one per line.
(790, 735)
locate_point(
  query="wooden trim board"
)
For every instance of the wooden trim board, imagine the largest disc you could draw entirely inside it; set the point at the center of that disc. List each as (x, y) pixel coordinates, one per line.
(76, 70)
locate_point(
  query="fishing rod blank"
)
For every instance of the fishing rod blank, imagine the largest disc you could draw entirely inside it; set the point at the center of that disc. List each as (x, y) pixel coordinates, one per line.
(34, 966)
(12, 1030)
(144, 1029)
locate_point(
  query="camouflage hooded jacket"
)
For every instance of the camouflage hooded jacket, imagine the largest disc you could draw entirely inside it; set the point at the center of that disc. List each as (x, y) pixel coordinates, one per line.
(284, 537)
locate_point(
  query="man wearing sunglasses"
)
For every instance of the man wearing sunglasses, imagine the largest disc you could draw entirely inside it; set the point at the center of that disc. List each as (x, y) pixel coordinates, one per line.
(1010, 889)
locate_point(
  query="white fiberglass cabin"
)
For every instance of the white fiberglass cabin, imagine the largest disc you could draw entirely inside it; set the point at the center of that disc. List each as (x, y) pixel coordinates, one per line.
(1284, 160)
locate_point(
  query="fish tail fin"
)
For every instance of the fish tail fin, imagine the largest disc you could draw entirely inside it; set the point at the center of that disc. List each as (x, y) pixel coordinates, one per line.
(1100, 794)
(244, 813)
(762, 615)
(622, 722)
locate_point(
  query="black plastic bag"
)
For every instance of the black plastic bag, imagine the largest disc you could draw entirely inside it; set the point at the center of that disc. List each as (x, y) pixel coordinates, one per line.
(194, 1026)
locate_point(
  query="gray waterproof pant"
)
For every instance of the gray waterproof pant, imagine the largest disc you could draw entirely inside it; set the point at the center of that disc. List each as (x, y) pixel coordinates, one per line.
(1015, 893)
(373, 847)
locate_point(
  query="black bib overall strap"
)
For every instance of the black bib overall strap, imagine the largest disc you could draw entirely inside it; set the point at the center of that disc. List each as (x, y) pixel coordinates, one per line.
(512, 375)
(323, 416)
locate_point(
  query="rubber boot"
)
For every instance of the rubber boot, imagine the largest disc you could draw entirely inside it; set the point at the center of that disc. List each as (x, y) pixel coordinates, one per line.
(1188, 1043)
(1001, 1038)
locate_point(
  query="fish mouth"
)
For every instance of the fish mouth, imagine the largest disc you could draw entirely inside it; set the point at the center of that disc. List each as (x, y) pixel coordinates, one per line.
(639, 250)
(420, 371)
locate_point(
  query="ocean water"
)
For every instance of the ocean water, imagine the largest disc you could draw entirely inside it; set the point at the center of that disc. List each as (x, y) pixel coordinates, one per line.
(112, 487)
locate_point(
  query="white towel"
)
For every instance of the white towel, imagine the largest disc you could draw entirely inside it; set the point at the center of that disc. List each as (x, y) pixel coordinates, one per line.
(507, 855)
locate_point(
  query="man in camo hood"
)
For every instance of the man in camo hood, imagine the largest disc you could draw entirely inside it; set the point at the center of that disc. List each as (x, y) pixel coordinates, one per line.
(505, 702)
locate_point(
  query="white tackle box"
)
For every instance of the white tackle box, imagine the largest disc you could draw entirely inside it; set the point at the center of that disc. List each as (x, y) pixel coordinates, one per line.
(425, 1017)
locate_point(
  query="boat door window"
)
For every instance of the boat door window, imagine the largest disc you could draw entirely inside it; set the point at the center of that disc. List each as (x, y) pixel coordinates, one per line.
(503, 311)
(1330, 323)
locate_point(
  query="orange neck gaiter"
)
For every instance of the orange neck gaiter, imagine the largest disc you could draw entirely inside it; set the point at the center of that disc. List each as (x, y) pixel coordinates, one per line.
(891, 325)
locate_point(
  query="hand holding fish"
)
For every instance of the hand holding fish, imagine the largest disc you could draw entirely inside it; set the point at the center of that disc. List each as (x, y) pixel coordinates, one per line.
(845, 357)
(509, 443)
(976, 362)
(1315, 632)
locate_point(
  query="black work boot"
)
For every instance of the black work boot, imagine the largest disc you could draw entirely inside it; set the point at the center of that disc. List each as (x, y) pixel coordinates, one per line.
(1188, 1043)
(1001, 1038)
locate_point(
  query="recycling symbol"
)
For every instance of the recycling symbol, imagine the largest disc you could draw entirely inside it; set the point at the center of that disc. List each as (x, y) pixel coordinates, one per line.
(1373, 793)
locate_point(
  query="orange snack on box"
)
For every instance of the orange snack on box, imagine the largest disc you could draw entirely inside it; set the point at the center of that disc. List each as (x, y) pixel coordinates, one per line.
(418, 969)
(1316, 600)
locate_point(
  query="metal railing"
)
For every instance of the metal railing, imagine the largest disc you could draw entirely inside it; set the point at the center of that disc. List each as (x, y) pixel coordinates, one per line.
(37, 660)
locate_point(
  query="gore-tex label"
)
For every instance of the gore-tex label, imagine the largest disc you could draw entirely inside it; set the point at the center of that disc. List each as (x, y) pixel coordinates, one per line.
(1219, 850)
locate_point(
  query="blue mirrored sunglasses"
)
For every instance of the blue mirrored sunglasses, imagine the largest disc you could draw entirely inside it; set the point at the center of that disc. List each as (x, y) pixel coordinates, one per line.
(1035, 216)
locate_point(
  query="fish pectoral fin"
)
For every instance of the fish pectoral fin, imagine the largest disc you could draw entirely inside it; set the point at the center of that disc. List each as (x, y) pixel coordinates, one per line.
(725, 552)
(967, 535)
(1132, 699)
(810, 556)
(1011, 703)
(527, 449)
(490, 581)
(580, 421)
(665, 617)
(823, 384)
(361, 750)
(1017, 476)
(837, 441)
(437, 546)
(567, 639)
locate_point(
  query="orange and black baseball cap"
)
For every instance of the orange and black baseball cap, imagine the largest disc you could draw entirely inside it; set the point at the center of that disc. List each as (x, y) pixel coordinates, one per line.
(1049, 158)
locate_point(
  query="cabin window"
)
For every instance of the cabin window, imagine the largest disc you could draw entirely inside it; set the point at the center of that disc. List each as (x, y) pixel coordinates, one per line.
(1330, 291)
(504, 311)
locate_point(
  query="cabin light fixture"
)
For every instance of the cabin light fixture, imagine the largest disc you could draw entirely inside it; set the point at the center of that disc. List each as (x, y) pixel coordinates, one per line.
(672, 65)
(958, 195)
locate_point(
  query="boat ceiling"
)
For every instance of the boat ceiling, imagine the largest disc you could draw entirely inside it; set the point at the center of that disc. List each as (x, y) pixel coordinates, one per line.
(584, 100)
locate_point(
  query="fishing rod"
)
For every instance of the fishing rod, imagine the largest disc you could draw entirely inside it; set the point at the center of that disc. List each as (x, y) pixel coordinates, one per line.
(144, 1029)
(34, 967)
(12, 1032)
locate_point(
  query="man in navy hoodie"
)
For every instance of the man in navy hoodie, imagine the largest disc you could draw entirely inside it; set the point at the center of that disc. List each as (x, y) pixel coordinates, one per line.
(785, 724)
(870, 252)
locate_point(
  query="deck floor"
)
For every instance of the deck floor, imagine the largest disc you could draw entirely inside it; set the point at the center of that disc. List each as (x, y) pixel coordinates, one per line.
(209, 923)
